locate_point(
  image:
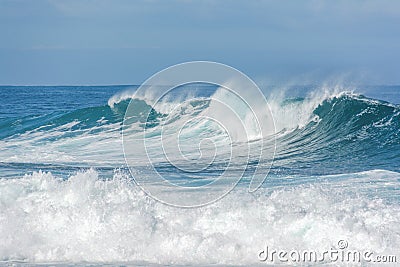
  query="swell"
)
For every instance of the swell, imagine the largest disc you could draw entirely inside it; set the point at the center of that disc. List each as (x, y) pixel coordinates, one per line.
(352, 129)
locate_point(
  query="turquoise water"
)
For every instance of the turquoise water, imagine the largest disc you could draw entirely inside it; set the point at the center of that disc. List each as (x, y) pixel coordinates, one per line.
(66, 194)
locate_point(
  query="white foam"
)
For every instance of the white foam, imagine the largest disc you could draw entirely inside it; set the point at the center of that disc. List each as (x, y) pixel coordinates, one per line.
(45, 219)
(63, 145)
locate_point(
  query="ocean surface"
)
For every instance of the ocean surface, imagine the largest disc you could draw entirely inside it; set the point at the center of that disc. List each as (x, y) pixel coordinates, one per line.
(68, 197)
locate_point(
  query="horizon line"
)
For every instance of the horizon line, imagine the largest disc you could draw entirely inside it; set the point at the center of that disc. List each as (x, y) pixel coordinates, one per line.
(110, 85)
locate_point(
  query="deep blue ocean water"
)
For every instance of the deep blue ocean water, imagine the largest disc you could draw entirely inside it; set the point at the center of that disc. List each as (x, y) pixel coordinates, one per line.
(66, 194)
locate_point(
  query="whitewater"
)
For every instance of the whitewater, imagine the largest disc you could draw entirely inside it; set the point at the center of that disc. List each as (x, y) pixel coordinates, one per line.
(67, 196)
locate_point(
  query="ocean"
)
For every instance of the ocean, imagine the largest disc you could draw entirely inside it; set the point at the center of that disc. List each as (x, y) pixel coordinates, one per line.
(68, 197)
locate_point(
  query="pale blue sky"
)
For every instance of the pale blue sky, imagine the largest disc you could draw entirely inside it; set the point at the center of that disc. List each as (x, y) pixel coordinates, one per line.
(54, 42)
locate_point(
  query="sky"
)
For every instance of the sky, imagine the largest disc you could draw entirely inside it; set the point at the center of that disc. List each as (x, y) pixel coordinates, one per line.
(99, 42)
